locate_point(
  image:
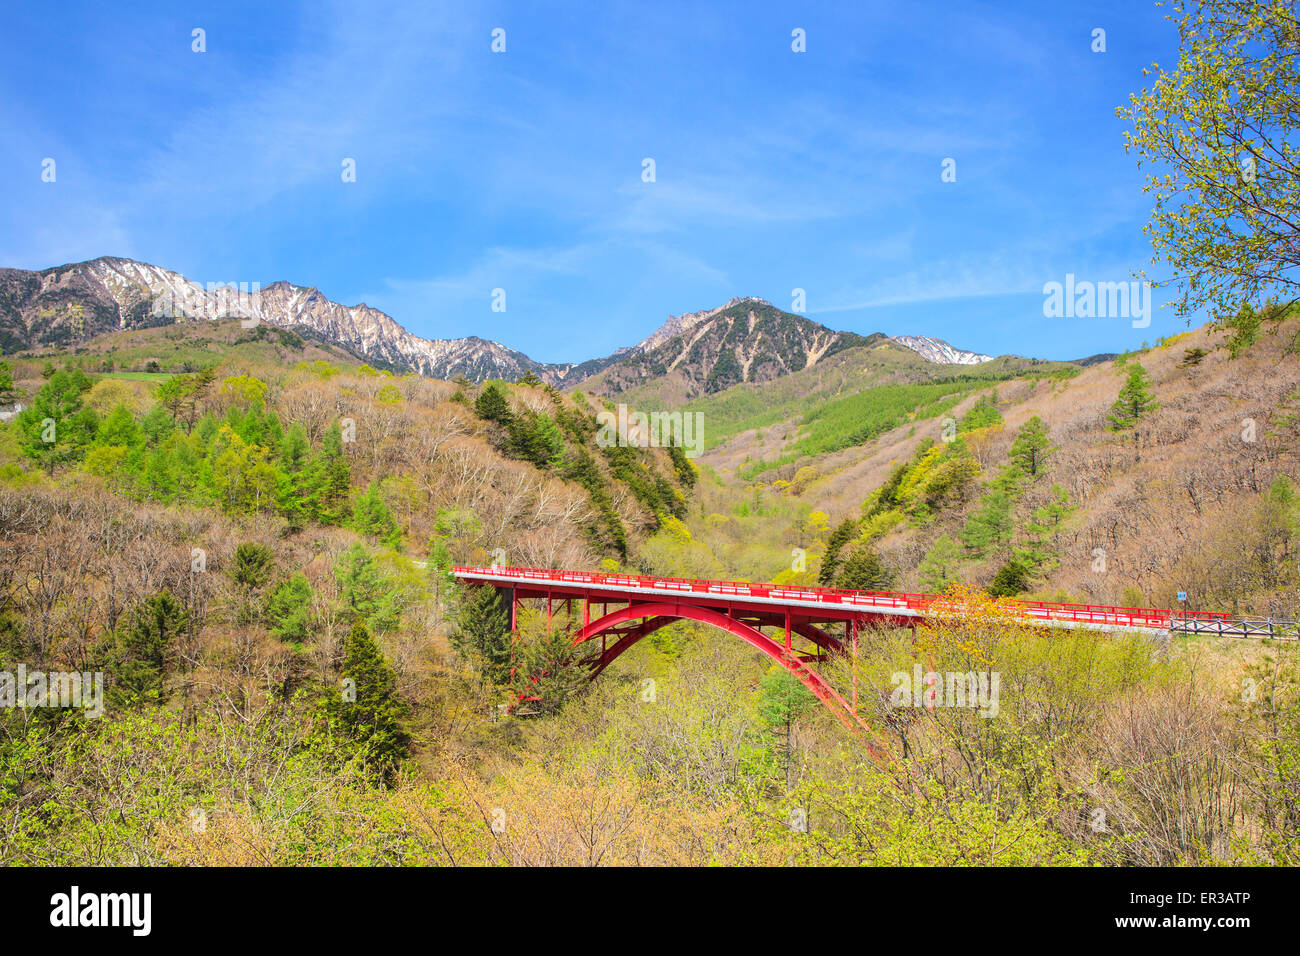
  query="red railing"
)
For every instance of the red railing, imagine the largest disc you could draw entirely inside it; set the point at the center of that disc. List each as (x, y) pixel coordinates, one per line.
(1041, 610)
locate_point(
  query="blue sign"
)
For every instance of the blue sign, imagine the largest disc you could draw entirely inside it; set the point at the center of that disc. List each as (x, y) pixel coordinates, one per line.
(1182, 595)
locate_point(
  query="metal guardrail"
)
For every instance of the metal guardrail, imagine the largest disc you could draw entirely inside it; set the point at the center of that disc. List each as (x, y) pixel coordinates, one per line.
(1277, 630)
(1159, 618)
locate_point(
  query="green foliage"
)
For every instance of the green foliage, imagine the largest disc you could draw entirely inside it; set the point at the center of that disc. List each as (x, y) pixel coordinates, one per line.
(492, 405)
(983, 414)
(864, 571)
(1031, 448)
(1011, 579)
(990, 526)
(142, 646)
(365, 714)
(1135, 400)
(1216, 135)
(782, 699)
(482, 633)
(1036, 552)
(371, 515)
(841, 536)
(289, 609)
(365, 590)
(938, 569)
(57, 428)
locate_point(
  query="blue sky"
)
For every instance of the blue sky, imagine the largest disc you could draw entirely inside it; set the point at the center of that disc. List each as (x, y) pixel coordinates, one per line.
(522, 170)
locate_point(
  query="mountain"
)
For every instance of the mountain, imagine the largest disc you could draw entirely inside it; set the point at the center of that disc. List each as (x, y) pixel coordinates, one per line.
(746, 340)
(73, 303)
(940, 352)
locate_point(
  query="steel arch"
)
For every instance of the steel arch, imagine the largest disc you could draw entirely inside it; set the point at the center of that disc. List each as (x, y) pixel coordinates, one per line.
(671, 611)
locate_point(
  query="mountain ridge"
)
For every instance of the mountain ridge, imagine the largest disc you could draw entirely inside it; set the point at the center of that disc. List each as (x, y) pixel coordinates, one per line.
(745, 339)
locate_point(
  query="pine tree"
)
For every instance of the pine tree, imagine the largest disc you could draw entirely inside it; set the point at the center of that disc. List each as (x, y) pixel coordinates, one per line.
(831, 561)
(864, 571)
(482, 634)
(1031, 449)
(1135, 400)
(492, 405)
(371, 515)
(57, 428)
(142, 646)
(364, 590)
(982, 414)
(288, 609)
(938, 569)
(1012, 579)
(331, 479)
(1036, 552)
(8, 393)
(989, 526)
(366, 714)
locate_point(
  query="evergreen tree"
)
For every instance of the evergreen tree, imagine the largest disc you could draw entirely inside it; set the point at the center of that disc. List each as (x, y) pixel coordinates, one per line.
(330, 480)
(1031, 449)
(982, 414)
(364, 590)
(1135, 400)
(366, 714)
(1036, 552)
(1012, 579)
(482, 634)
(371, 515)
(8, 393)
(492, 405)
(864, 571)
(990, 525)
(142, 646)
(782, 700)
(250, 570)
(938, 569)
(57, 428)
(288, 609)
(841, 536)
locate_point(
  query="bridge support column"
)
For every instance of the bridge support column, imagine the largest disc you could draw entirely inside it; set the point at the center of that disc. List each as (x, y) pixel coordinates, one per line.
(852, 627)
(787, 630)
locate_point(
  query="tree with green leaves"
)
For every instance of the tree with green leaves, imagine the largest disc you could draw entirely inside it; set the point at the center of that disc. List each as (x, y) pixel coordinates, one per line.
(8, 393)
(782, 700)
(289, 609)
(1036, 551)
(365, 591)
(1135, 401)
(938, 569)
(482, 632)
(364, 716)
(1218, 137)
(1011, 579)
(371, 515)
(841, 536)
(57, 428)
(864, 571)
(143, 642)
(492, 404)
(982, 414)
(990, 525)
(1030, 449)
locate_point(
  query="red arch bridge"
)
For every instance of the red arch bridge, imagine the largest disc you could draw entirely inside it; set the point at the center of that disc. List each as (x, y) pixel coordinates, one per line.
(810, 624)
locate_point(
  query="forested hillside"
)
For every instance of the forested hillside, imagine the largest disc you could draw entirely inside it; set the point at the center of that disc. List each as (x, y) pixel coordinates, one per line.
(253, 556)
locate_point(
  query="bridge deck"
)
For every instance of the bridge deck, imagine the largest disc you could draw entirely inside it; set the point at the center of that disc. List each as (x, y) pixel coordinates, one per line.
(824, 603)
